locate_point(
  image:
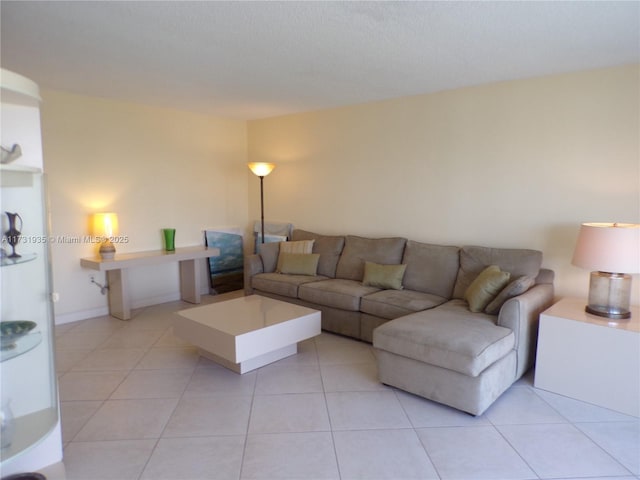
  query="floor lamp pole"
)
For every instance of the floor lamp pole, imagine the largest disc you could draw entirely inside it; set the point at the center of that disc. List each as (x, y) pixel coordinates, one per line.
(261, 169)
(262, 207)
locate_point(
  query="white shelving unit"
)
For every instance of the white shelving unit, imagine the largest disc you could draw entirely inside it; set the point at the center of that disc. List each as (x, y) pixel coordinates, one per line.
(28, 384)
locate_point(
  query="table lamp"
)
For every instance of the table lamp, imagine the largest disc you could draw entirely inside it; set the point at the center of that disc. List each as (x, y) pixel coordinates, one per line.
(612, 252)
(261, 170)
(105, 226)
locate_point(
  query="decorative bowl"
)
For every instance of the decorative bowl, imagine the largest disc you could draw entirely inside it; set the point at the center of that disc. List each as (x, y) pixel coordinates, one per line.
(25, 476)
(10, 332)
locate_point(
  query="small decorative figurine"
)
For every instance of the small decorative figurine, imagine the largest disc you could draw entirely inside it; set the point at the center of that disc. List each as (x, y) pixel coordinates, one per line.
(9, 155)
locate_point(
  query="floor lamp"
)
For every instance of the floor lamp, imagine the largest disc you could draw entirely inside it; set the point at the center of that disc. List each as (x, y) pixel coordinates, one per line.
(261, 170)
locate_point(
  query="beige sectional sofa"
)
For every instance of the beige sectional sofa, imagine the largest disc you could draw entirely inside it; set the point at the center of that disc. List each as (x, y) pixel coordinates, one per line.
(426, 338)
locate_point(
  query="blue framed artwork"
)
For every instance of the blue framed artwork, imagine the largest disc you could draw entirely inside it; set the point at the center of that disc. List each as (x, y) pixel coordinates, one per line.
(226, 271)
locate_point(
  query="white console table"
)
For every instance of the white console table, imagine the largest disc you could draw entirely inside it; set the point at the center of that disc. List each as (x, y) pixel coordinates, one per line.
(117, 273)
(590, 358)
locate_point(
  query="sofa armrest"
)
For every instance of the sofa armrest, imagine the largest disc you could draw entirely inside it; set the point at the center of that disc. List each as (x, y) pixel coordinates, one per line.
(252, 266)
(521, 314)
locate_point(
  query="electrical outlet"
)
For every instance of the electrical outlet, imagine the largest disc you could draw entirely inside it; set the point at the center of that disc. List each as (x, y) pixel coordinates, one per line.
(55, 297)
(92, 279)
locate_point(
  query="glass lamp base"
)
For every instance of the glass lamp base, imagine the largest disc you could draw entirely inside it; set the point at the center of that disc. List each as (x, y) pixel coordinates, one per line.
(107, 250)
(609, 295)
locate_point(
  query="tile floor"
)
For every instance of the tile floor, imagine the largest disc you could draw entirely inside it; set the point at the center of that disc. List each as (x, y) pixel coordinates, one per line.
(139, 403)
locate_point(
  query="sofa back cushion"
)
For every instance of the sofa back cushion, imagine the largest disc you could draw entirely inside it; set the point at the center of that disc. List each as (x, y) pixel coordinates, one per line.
(269, 253)
(474, 260)
(329, 248)
(357, 250)
(431, 268)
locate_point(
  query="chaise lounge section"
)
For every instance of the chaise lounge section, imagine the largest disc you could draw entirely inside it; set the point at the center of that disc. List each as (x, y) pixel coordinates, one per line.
(414, 302)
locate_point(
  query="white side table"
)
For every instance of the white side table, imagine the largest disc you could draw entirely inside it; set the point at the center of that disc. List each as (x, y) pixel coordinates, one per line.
(590, 358)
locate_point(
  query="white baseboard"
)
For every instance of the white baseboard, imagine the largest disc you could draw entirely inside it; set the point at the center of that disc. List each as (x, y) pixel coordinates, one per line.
(81, 315)
(147, 302)
(63, 318)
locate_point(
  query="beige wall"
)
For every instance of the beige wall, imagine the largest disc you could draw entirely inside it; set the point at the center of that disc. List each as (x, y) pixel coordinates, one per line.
(514, 164)
(155, 167)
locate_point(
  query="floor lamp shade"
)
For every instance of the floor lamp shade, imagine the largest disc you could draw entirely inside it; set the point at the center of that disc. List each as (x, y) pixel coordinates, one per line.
(261, 169)
(612, 252)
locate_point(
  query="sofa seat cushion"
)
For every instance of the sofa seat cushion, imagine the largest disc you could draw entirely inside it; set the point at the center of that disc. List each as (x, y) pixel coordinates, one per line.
(344, 294)
(448, 336)
(282, 284)
(392, 304)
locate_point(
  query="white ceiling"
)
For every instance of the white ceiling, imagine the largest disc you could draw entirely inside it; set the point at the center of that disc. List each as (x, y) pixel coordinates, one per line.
(259, 59)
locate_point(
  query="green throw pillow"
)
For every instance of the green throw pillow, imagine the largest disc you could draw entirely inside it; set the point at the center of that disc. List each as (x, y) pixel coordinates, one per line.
(299, 263)
(300, 246)
(515, 288)
(485, 287)
(383, 276)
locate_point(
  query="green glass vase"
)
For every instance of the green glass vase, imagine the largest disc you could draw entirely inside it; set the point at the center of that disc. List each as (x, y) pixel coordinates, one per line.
(169, 235)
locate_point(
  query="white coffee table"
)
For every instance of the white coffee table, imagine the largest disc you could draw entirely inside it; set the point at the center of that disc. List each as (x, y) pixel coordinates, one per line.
(247, 332)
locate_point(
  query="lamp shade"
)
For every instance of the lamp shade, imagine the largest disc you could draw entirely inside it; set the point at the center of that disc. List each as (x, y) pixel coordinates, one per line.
(608, 247)
(104, 224)
(262, 169)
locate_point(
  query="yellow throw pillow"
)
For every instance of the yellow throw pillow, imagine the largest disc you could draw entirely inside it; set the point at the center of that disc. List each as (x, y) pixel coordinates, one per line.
(300, 246)
(299, 263)
(486, 287)
(388, 277)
